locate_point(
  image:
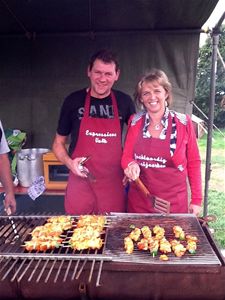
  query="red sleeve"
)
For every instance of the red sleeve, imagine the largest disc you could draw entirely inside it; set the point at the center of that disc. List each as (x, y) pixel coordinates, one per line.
(131, 137)
(194, 165)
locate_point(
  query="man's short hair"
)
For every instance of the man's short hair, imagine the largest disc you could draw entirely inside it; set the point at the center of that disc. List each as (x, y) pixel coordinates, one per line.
(106, 55)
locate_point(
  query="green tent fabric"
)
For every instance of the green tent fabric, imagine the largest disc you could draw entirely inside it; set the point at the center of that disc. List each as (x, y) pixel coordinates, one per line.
(15, 139)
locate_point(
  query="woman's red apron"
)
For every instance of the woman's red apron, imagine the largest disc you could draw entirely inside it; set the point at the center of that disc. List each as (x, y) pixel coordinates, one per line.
(159, 174)
(99, 138)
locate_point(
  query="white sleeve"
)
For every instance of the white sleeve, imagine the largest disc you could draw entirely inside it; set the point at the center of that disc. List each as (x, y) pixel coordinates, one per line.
(3, 144)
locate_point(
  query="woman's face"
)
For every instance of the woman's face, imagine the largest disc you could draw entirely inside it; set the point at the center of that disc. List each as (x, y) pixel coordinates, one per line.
(153, 97)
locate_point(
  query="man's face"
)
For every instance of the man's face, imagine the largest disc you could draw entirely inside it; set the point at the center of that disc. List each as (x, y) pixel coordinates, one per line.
(102, 77)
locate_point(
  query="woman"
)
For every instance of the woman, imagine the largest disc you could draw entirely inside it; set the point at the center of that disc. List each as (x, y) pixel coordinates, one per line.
(161, 148)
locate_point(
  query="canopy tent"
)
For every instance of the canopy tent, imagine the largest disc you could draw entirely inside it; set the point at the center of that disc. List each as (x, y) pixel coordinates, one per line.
(45, 46)
(94, 16)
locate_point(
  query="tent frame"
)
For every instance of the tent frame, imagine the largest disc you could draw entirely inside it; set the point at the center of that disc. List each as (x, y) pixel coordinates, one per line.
(216, 31)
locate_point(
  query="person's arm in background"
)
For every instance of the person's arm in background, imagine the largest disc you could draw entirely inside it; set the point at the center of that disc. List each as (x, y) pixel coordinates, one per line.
(5, 173)
(7, 183)
(194, 171)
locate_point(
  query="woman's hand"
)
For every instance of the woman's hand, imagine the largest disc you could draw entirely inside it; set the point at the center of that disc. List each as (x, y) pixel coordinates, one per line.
(195, 209)
(132, 171)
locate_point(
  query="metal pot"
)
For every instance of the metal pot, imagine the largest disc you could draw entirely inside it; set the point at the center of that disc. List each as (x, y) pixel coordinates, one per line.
(30, 165)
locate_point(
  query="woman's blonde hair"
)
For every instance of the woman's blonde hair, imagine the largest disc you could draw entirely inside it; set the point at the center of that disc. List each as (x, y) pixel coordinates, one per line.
(153, 75)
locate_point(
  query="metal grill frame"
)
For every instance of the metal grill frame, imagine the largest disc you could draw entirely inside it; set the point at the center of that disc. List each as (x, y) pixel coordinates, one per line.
(19, 264)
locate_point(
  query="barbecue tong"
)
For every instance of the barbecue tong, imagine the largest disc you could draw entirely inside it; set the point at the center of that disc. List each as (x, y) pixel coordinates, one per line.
(84, 170)
(9, 212)
(160, 205)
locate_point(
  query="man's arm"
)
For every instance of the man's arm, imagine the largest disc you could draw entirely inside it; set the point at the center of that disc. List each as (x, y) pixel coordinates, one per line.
(6, 180)
(60, 151)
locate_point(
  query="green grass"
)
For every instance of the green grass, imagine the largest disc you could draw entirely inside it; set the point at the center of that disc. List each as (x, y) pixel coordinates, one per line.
(216, 206)
(216, 194)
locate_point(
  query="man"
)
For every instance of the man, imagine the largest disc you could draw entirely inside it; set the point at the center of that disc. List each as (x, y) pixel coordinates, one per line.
(94, 117)
(5, 173)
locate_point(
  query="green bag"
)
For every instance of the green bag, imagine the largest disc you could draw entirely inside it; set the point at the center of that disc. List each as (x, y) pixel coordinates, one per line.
(15, 139)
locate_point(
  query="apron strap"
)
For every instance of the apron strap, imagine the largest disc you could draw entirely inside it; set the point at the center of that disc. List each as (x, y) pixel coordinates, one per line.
(88, 103)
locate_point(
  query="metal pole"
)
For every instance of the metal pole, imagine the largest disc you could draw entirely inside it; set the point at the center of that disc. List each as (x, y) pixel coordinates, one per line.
(215, 41)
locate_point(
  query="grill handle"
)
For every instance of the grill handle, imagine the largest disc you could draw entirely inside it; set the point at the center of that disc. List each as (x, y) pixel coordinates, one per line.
(83, 291)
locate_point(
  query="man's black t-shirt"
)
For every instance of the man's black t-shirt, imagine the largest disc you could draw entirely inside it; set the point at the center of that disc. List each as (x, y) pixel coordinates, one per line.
(73, 109)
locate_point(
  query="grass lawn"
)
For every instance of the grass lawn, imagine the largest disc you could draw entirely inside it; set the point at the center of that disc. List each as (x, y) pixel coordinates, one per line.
(216, 195)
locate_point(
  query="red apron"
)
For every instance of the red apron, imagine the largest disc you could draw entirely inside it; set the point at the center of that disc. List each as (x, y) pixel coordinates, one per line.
(99, 138)
(159, 174)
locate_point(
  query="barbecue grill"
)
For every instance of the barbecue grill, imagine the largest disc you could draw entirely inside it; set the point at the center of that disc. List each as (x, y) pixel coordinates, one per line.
(109, 273)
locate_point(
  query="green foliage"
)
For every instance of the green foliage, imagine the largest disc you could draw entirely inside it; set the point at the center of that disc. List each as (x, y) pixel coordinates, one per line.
(218, 141)
(217, 207)
(216, 195)
(202, 92)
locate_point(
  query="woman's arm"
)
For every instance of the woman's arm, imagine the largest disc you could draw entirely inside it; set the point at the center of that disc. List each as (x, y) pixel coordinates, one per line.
(194, 166)
(130, 166)
(128, 150)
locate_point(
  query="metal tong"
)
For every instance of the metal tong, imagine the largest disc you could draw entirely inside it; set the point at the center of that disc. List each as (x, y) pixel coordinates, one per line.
(9, 212)
(160, 205)
(89, 175)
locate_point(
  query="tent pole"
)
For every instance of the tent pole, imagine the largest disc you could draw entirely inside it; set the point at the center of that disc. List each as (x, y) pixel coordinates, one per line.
(215, 42)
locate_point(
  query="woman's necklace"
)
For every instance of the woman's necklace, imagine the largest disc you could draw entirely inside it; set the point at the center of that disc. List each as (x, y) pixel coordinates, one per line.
(157, 126)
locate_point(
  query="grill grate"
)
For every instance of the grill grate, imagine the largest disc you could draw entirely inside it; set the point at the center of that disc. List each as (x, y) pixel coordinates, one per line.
(24, 227)
(56, 264)
(120, 228)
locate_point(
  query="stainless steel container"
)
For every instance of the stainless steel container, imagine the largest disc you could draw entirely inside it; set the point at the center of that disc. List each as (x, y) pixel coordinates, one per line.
(30, 165)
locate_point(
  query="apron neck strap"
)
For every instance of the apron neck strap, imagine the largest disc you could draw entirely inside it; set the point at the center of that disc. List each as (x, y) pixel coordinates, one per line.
(88, 104)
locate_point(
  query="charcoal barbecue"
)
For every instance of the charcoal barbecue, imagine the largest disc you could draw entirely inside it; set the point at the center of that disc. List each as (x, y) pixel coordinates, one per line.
(110, 272)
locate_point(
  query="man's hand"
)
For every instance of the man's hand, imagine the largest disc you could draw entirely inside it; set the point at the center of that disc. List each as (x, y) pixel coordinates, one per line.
(78, 168)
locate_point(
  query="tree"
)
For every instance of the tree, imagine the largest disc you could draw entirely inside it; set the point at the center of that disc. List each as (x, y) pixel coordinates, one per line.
(202, 91)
